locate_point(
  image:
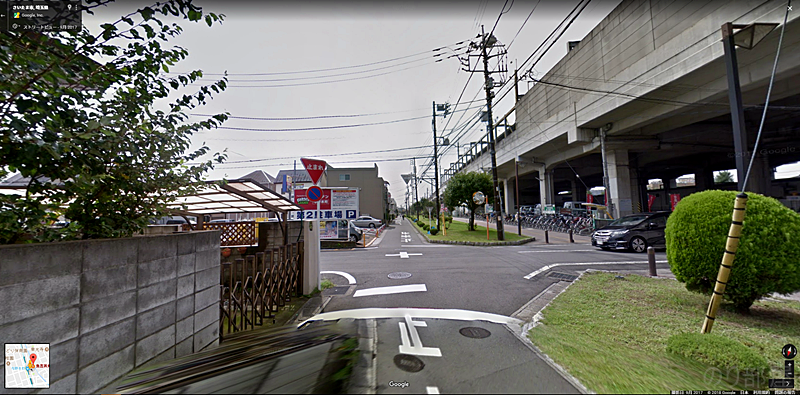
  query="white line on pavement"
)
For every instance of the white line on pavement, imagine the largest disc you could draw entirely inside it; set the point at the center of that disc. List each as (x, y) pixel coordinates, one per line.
(533, 252)
(349, 277)
(396, 289)
(443, 314)
(403, 254)
(432, 390)
(548, 267)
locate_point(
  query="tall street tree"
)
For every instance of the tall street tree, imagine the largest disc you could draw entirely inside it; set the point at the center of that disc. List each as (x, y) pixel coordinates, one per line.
(78, 118)
(460, 189)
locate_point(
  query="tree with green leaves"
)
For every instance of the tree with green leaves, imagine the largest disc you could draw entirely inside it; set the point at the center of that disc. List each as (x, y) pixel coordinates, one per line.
(723, 177)
(422, 206)
(460, 189)
(78, 119)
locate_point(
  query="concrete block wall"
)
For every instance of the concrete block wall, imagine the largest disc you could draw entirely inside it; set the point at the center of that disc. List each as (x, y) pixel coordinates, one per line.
(109, 306)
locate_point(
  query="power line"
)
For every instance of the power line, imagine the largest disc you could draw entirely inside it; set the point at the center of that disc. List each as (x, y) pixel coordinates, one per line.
(325, 155)
(523, 25)
(320, 127)
(321, 82)
(333, 68)
(311, 117)
(325, 76)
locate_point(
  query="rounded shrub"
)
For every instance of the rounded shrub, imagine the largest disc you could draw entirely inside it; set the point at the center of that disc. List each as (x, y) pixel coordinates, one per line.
(768, 257)
(426, 227)
(732, 358)
(434, 231)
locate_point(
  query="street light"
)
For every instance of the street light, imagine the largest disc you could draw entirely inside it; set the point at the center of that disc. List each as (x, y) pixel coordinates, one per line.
(747, 37)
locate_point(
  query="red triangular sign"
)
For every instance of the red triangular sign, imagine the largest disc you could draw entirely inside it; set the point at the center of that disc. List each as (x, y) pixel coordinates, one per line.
(314, 167)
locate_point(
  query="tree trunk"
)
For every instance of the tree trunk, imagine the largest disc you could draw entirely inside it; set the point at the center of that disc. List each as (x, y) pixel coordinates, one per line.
(471, 220)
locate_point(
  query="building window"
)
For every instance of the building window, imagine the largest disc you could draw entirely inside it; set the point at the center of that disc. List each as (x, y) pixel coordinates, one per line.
(344, 177)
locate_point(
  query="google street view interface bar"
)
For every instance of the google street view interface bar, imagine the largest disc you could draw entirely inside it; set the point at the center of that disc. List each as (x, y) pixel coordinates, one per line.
(40, 15)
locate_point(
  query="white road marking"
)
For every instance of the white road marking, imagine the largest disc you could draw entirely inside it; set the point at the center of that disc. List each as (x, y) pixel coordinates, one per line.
(401, 312)
(533, 252)
(429, 246)
(432, 390)
(403, 254)
(350, 279)
(395, 289)
(417, 349)
(548, 267)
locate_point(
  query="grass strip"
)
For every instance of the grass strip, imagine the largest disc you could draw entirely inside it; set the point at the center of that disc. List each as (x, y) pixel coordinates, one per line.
(612, 335)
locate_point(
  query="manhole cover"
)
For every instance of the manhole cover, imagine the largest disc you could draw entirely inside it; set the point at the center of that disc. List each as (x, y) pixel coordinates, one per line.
(562, 276)
(409, 363)
(336, 290)
(399, 275)
(474, 332)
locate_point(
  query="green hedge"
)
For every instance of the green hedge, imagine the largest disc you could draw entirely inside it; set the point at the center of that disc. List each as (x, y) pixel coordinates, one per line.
(768, 258)
(732, 358)
(434, 231)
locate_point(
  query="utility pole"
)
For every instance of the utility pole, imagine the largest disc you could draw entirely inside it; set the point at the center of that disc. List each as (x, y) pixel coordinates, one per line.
(416, 193)
(516, 190)
(490, 128)
(436, 168)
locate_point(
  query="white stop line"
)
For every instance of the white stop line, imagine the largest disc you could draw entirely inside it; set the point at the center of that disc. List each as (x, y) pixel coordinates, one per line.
(548, 267)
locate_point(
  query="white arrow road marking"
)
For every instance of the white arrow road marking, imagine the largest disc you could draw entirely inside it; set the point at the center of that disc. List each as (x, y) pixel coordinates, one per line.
(350, 279)
(548, 267)
(396, 289)
(403, 254)
(417, 349)
(443, 314)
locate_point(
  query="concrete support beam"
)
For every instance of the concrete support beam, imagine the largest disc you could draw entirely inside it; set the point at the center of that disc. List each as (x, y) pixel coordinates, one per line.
(619, 178)
(546, 186)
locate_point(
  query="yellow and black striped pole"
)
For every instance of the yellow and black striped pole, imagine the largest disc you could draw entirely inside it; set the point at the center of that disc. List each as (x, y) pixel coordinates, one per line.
(734, 233)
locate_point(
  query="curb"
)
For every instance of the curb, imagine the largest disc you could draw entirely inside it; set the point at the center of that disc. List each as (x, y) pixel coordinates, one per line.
(472, 243)
(311, 308)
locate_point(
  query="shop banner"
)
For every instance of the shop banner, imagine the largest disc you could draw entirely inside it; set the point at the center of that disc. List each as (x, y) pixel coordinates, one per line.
(674, 198)
(650, 200)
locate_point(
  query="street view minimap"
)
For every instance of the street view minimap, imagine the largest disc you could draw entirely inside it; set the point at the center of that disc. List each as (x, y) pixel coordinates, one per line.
(427, 197)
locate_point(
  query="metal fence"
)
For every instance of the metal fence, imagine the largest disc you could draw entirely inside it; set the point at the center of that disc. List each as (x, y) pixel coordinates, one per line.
(253, 288)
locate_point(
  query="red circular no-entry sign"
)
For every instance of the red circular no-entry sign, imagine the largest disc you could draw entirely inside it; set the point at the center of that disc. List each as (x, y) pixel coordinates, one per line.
(314, 194)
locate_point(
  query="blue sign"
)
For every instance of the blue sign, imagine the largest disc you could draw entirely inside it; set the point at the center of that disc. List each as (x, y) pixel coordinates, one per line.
(314, 193)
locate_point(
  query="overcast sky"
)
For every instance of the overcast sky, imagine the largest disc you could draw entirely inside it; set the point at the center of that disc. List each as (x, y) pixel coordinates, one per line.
(286, 39)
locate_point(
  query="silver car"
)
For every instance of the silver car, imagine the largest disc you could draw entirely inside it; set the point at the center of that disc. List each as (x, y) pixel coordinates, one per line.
(365, 221)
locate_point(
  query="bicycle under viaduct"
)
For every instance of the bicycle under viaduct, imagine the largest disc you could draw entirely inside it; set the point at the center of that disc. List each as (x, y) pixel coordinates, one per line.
(653, 74)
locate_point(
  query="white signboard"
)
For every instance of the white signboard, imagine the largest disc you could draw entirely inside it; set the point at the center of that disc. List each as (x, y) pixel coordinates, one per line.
(344, 205)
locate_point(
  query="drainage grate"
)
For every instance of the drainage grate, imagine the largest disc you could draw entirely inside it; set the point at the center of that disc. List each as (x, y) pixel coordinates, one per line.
(474, 332)
(336, 290)
(562, 276)
(399, 275)
(409, 363)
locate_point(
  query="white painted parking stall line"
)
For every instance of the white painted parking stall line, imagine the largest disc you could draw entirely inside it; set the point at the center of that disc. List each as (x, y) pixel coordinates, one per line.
(396, 289)
(350, 279)
(548, 267)
(403, 254)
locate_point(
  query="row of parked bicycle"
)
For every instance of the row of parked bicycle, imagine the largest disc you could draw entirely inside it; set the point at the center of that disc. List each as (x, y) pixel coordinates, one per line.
(580, 225)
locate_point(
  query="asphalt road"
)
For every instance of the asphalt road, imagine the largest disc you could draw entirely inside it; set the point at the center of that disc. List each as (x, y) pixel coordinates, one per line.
(470, 287)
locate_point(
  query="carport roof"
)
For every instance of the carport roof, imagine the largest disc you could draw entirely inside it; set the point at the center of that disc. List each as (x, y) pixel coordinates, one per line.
(243, 195)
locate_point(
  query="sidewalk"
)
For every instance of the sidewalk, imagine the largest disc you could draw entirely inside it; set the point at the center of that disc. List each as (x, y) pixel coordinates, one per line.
(555, 237)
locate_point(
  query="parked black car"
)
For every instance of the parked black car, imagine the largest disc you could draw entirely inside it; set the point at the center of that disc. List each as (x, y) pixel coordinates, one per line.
(635, 232)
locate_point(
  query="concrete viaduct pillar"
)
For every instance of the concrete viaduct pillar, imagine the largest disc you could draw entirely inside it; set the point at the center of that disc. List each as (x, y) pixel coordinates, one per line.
(510, 197)
(619, 178)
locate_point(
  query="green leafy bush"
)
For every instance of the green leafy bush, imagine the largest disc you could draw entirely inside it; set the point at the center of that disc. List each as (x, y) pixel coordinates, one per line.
(766, 261)
(426, 227)
(732, 358)
(434, 231)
